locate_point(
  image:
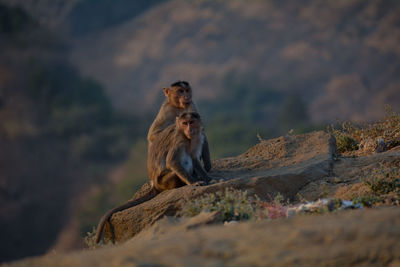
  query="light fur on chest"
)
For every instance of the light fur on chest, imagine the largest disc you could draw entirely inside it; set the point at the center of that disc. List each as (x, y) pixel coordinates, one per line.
(193, 152)
(187, 162)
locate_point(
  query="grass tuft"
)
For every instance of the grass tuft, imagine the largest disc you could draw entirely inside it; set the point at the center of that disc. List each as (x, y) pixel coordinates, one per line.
(90, 240)
(351, 137)
(231, 204)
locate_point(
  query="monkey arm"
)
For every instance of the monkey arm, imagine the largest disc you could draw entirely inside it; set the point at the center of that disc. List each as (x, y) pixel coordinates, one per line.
(205, 154)
(155, 128)
(200, 171)
(150, 136)
(165, 117)
(173, 163)
(158, 124)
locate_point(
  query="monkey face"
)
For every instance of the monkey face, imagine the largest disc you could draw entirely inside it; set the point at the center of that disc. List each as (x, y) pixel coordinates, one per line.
(190, 128)
(180, 97)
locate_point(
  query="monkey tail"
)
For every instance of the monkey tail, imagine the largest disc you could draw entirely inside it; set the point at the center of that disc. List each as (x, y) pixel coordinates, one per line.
(130, 203)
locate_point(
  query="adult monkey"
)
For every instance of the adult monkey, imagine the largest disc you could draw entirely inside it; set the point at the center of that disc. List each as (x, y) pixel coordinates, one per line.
(174, 156)
(178, 99)
(173, 161)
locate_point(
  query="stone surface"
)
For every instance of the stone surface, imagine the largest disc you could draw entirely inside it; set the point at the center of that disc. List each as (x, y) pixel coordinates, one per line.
(367, 237)
(281, 165)
(349, 175)
(353, 238)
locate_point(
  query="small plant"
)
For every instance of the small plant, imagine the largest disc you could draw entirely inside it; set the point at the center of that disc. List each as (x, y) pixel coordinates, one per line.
(384, 185)
(335, 204)
(260, 139)
(271, 210)
(89, 239)
(301, 198)
(278, 199)
(349, 136)
(367, 200)
(345, 143)
(236, 205)
(231, 204)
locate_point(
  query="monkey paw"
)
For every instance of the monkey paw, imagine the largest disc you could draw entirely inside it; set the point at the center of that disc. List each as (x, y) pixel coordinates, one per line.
(199, 183)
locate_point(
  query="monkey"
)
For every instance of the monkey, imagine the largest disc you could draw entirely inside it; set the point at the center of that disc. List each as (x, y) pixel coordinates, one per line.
(173, 161)
(178, 99)
(174, 157)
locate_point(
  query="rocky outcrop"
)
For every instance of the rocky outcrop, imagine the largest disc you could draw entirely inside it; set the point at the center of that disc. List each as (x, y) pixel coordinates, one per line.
(285, 164)
(362, 238)
(282, 165)
(350, 175)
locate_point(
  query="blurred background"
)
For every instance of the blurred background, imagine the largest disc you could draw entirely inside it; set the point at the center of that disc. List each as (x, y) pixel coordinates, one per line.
(81, 80)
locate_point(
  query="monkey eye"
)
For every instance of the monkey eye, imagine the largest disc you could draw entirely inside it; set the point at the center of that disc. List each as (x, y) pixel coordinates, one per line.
(186, 123)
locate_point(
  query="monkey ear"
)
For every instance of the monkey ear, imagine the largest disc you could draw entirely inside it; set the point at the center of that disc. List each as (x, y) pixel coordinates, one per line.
(166, 91)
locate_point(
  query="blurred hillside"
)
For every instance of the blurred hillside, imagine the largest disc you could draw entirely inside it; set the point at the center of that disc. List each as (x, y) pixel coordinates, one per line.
(341, 57)
(273, 65)
(261, 67)
(79, 17)
(58, 135)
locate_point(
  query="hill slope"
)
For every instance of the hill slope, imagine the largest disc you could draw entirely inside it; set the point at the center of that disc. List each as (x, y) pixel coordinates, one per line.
(57, 132)
(342, 57)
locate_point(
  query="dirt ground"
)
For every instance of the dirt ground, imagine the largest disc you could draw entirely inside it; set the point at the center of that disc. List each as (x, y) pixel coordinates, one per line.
(352, 238)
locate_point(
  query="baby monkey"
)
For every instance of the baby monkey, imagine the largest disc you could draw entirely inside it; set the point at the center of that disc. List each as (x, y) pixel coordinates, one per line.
(173, 161)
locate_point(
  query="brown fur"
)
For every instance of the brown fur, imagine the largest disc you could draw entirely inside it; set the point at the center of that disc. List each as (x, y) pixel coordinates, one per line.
(170, 109)
(165, 155)
(169, 156)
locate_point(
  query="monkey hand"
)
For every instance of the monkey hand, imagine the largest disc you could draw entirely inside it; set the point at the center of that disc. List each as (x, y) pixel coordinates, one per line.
(215, 180)
(211, 178)
(199, 183)
(208, 179)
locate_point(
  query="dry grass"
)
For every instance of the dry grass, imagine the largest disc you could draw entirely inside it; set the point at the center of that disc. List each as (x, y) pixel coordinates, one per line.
(235, 205)
(365, 137)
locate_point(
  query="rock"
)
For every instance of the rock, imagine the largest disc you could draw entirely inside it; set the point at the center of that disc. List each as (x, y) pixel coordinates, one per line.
(350, 174)
(230, 223)
(170, 225)
(362, 237)
(381, 147)
(281, 165)
(322, 206)
(337, 180)
(368, 145)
